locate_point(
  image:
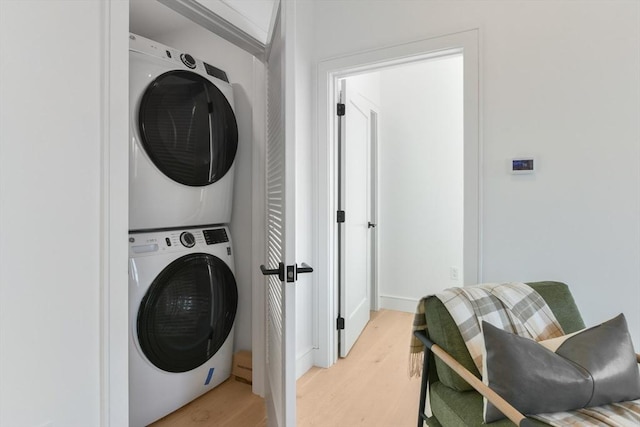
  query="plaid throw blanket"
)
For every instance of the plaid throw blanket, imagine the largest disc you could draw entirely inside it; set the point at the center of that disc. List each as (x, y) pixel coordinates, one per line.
(416, 348)
(513, 307)
(517, 308)
(622, 414)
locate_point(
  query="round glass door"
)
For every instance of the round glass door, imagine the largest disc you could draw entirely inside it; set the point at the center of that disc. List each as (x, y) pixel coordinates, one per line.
(187, 313)
(188, 128)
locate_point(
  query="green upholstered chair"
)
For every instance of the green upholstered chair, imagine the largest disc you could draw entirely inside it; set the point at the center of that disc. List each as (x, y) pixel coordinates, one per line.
(453, 401)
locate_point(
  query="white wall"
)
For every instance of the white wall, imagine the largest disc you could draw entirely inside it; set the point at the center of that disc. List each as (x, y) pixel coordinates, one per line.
(239, 67)
(559, 80)
(55, 248)
(421, 181)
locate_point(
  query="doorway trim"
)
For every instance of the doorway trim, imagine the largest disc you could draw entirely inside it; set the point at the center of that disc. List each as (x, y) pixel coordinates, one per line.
(329, 72)
(114, 200)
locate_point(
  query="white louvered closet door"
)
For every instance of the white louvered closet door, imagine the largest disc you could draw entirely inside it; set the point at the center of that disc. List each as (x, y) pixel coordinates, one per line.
(280, 200)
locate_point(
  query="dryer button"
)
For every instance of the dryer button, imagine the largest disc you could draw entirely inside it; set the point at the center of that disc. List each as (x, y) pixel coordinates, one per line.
(187, 239)
(188, 60)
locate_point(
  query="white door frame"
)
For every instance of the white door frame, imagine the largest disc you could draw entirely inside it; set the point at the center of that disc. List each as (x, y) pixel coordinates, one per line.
(373, 193)
(329, 72)
(114, 195)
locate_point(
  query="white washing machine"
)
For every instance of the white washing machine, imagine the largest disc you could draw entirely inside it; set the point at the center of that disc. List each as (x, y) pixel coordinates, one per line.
(182, 305)
(183, 139)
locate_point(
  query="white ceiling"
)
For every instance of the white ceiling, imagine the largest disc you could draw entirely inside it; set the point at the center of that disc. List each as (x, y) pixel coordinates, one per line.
(150, 18)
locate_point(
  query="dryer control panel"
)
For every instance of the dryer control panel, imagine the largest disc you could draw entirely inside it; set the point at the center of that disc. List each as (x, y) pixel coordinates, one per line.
(144, 45)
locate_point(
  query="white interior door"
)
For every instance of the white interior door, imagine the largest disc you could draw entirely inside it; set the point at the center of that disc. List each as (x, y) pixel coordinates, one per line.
(355, 235)
(280, 207)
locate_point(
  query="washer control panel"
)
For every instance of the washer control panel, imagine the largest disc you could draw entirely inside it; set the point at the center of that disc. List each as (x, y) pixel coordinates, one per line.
(187, 239)
(176, 240)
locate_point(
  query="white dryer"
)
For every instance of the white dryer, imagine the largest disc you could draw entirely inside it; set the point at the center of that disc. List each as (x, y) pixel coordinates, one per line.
(182, 305)
(183, 139)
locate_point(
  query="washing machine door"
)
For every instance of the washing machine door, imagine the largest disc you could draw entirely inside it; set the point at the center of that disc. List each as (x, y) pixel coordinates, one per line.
(187, 312)
(188, 128)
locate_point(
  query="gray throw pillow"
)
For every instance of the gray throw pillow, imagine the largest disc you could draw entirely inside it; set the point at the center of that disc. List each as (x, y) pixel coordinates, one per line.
(592, 367)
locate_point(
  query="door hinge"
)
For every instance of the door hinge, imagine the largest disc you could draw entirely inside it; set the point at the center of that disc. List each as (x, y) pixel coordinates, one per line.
(340, 323)
(341, 109)
(340, 217)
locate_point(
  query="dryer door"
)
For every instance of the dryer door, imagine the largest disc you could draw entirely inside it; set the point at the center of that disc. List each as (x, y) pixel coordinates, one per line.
(187, 312)
(188, 128)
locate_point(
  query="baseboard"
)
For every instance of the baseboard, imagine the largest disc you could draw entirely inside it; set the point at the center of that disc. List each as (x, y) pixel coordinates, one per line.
(304, 362)
(407, 305)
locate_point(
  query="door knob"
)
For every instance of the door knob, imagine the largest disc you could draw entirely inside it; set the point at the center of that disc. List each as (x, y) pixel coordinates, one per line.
(371, 225)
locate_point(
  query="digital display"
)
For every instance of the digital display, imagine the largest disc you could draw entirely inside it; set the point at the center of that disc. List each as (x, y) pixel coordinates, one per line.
(212, 237)
(522, 165)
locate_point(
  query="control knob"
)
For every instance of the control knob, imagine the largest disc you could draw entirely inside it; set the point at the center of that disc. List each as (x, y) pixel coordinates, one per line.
(187, 239)
(188, 60)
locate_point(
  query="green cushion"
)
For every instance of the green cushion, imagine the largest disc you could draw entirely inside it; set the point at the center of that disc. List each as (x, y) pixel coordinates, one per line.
(559, 299)
(455, 408)
(433, 422)
(444, 332)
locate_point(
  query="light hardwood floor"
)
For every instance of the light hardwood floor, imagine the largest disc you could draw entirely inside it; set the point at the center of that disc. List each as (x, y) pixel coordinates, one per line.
(231, 404)
(370, 388)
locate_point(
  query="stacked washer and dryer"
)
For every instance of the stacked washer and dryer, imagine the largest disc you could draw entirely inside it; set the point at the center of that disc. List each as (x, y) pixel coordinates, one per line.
(182, 291)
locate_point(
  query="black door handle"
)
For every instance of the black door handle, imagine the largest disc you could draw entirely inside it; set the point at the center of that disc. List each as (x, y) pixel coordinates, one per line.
(371, 225)
(305, 268)
(272, 272)
(292, 271)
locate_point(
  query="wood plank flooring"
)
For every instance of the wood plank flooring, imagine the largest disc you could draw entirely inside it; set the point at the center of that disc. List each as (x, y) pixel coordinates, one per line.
(231, 404)
(370, 388)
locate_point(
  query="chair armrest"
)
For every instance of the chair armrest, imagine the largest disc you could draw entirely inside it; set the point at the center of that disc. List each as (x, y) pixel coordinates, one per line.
(505, 407)
(422, 336)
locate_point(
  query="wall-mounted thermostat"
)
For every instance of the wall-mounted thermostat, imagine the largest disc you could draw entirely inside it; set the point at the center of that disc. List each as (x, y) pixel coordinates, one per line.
(522, 165)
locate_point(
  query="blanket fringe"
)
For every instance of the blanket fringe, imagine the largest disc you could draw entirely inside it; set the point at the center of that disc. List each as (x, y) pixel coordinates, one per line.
(416, 361)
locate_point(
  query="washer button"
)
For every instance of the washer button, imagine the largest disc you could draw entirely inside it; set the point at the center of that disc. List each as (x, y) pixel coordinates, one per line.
(187, 239)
